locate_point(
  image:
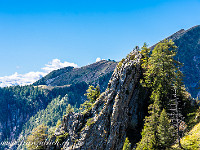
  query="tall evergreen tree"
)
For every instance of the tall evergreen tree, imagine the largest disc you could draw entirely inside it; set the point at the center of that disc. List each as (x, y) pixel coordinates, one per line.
(163, 72)
(149, 139)
(161, 75)
(165, 131)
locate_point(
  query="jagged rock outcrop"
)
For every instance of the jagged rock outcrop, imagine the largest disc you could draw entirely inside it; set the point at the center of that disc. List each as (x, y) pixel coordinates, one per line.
(117, 113)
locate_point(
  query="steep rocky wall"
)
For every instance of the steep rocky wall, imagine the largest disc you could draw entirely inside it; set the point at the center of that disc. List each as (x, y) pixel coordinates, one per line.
(117, 113)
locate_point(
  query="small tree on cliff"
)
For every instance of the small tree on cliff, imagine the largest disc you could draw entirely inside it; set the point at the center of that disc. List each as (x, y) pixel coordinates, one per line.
(92, 94)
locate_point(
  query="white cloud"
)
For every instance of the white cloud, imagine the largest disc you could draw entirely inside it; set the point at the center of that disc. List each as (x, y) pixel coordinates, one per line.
(31, 77)
(21, 79)
(56, 64)
(98, 59)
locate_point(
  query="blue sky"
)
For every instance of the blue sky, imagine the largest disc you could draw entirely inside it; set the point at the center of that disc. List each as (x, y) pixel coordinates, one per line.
(34, 32)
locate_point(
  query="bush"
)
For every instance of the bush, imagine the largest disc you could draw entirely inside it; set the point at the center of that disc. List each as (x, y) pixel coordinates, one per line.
(90, 122)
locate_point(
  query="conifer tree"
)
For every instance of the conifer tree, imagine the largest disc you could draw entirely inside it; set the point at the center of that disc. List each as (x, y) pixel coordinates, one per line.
(149, 139)
(165, 131)
(163, 72)
(145, 51)
(161, 75)
(93, 93)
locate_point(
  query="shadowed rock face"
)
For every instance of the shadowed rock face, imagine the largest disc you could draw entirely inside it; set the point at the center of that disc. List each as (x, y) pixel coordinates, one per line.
(117, 113)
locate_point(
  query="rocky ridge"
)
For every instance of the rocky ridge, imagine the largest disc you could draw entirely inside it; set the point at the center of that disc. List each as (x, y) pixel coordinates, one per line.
(118, 112)
(71, 75)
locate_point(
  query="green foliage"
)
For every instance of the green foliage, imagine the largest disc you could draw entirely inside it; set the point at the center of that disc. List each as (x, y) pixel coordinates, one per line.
(58, 123)
(149, 134)
(37, 138)
(146, 54)
(90, 122)
(61, 138)
(86, 106)
(20, 100)
(163, 73)
(69, 109)
(165, 131)
(92, 94)
(127, 145)
(161, 76)
(191, 141)
(49, 116)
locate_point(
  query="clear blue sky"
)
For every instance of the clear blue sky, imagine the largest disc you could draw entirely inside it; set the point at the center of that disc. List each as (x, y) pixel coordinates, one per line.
(33, 32)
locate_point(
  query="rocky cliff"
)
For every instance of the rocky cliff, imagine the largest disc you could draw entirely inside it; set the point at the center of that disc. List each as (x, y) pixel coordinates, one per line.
(117, 114)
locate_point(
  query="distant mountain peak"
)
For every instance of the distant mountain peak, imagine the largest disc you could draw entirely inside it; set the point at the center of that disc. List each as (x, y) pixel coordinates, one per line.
(70, 75)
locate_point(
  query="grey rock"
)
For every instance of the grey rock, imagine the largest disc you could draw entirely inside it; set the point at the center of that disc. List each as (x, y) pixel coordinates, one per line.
(117, 111)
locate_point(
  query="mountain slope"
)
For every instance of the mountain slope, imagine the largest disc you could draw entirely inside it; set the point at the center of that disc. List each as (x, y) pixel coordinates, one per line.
(19, 103)
(70, 75)
(120, 110)
(188, 42)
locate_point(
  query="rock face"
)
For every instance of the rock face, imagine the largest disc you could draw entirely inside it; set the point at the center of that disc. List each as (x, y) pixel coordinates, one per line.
(117, 113)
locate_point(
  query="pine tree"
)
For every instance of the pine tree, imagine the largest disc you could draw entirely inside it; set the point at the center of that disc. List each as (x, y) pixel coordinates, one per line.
(165, 131)
(127, 145)
(149, 139)
(93, 93)
(146, 54)
(161, 75)
(163, 72)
